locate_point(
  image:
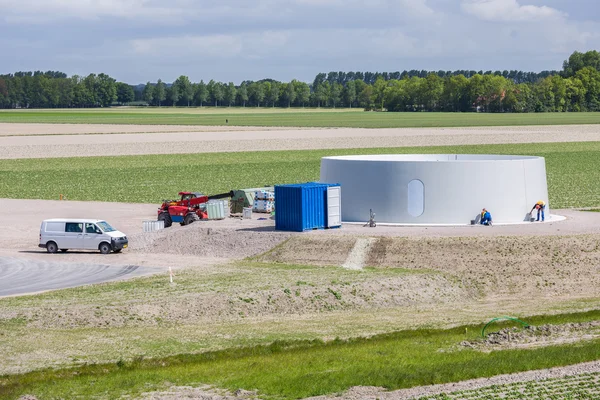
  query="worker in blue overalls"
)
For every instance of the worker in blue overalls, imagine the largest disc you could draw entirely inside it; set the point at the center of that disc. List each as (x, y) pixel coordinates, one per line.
(540, 206)
(486, 217)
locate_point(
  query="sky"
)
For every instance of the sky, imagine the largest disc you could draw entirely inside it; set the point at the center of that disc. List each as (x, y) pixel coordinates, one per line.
(136, 41)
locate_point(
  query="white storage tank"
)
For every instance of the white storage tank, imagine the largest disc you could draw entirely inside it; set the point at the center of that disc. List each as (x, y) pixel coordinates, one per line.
(437, 188)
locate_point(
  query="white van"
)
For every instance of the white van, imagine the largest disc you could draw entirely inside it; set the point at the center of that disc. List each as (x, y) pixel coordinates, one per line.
(81, 234)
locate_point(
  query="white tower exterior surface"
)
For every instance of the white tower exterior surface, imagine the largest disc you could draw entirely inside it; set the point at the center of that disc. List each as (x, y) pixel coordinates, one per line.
(437, 189)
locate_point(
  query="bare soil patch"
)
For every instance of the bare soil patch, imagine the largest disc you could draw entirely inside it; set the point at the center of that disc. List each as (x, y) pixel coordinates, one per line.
(503, 267)
(314, 250)
(202, 140)
(16, 129)
(535, 336)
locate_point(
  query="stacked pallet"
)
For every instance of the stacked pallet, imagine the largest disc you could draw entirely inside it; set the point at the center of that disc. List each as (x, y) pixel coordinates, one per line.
(264, 201)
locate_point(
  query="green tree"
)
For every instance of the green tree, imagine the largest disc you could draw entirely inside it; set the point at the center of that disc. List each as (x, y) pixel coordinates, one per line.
(577, 61)
(218, 93)
(575, 94)
(160, 92)
(289, 93)
(454, 96)
(590, 79)
(256, 92)
(148, 93)
(336, 93)
(379, 92)
(184, 89)
(173, 94)
(365, 97)
(230, 93)
(302, 92)
(82, 97)
(272, 92)
(559, 90)
(201, 93)
(243, 93)
(349, 93)
(321, 93)
(106, 90)
(4, 102)
(431, 89)
(125, 93)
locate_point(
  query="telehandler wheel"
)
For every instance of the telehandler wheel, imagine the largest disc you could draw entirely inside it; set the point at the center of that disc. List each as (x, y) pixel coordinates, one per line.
(189, 218)
(104, 248)
(51, 247)
(164, 216)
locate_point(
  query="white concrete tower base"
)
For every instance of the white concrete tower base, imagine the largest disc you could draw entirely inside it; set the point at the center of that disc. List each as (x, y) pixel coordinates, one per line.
(432, 189)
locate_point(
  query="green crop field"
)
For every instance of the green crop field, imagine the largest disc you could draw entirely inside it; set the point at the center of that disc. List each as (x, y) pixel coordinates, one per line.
(584, 386)
(573, 172)
(289, 117)
(290, 370)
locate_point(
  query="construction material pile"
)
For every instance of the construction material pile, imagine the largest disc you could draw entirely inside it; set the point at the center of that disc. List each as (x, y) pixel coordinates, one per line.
(244, 198)
(264, 201)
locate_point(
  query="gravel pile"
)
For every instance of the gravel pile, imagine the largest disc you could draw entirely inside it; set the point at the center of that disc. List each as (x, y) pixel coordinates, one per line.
(198, 240)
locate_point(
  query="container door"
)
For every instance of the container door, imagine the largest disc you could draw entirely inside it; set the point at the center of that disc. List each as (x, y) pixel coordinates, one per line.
(334, 206)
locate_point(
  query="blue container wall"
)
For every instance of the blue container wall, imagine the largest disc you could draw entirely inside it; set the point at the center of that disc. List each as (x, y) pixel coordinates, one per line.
(301, 207)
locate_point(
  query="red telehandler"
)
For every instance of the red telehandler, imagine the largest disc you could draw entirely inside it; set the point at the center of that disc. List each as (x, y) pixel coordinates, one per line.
(191, 207)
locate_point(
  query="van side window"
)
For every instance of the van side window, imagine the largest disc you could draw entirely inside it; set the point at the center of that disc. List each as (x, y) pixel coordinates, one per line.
(90, 228)
(73, 227)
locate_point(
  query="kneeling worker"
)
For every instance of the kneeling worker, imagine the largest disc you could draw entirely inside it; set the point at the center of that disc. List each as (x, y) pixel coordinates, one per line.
(539, 206)
(486, 217)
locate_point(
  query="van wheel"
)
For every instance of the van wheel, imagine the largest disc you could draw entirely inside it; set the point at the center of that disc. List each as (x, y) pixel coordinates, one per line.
(104, 248)
(166, 217)
(51, 247)
(64, 250)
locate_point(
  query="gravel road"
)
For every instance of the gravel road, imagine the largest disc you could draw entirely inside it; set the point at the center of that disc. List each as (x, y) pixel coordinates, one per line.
(54, 143)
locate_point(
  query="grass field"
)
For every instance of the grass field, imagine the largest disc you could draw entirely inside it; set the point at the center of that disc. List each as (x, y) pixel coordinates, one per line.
(289, 370)
(289, 117)
(573, 171)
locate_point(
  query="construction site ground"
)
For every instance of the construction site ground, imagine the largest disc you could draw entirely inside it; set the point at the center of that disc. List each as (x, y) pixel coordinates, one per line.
(238, 281)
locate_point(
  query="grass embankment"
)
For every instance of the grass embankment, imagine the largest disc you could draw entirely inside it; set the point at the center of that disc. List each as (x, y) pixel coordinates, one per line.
(573, 171)
(289, 117)
(300, 369)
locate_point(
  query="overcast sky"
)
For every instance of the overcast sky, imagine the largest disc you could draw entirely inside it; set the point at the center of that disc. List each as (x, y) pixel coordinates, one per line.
(136, 41)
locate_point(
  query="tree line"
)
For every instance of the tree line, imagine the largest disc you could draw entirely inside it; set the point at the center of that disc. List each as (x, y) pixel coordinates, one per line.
(575, 88)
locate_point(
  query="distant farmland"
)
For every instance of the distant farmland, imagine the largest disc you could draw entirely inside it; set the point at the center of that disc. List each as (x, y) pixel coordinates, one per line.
(349, 118)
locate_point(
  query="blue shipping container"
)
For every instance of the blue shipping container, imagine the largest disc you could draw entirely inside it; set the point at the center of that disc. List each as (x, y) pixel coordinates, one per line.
(301, 207)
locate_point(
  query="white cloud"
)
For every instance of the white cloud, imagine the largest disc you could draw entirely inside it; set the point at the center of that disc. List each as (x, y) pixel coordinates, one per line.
(245, 45)
(509, 11)
(210, 46)
(47, 10)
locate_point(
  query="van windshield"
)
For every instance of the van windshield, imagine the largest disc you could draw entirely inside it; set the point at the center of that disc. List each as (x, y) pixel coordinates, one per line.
(105, 226)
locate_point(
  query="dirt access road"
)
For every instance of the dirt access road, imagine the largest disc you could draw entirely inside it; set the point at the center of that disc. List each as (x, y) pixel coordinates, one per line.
(49, 141)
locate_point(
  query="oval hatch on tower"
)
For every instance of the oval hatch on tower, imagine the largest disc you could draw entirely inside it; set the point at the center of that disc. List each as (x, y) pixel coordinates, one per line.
(416, 197)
